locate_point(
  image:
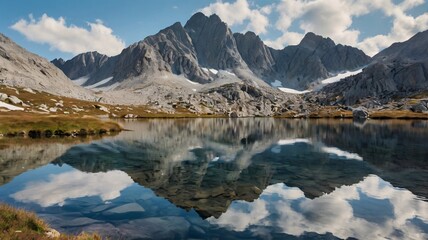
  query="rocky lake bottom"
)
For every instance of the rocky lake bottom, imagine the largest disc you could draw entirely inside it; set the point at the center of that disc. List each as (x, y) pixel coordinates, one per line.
(254, 178)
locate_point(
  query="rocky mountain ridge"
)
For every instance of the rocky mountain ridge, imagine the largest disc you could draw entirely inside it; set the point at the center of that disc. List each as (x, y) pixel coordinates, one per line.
(206, 45)
(299, 67)
(20, 68)
(399, 71)
(82, 65)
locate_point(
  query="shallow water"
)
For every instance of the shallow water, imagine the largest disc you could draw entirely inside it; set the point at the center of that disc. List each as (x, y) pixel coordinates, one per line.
(230, 179)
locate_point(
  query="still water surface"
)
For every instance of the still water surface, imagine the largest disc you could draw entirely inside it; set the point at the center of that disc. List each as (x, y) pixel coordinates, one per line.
(229, 179)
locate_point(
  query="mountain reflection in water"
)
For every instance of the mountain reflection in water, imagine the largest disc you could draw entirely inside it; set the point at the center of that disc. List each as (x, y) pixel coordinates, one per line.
(233, 178)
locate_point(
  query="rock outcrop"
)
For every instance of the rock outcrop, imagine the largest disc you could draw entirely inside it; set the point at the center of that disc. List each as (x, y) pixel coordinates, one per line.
(421, 107)
(398, 71)
(360, 113)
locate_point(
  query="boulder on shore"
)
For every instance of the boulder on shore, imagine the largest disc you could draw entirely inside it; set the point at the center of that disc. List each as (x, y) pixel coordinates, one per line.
(420, 107)
(360, 113)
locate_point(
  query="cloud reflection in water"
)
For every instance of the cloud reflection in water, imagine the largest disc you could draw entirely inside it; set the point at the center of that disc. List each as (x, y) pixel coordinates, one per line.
(287, 208)
(74, 184)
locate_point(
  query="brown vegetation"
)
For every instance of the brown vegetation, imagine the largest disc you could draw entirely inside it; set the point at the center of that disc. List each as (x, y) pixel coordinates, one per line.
(35, 125)
(78, 108)
(21, 224)
(397, 114)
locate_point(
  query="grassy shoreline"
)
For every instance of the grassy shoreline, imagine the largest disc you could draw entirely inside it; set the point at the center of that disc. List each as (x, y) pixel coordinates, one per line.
(21, 224)
(33, 125)
(50, 126)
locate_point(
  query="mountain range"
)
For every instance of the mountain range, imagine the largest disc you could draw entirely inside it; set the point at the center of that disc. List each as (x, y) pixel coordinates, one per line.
(206, 43)
(206, 68)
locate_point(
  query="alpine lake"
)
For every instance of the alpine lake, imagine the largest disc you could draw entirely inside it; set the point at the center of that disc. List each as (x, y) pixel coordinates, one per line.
(254, 178)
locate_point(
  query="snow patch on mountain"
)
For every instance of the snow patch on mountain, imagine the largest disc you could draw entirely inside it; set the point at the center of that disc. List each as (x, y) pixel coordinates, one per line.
(102, 82)
(293, 91)
(340, 76)
(341, 153)
(80, 81)
(191, 82)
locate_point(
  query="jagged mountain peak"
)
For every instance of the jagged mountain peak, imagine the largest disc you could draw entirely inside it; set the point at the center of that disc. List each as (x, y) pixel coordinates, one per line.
(248, 35)
(313, 41)
(256, 54)
(298, 66)
(214, 42)
(174, 32)
(176, 26)
(81, 65)
(206, 43)
(197, 17)
(199, 21)
(200, 18)
(90, 57)
(58, 62)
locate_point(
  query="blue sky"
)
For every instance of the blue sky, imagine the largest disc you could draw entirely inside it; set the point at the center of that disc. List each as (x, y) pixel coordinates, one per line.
(60, 28)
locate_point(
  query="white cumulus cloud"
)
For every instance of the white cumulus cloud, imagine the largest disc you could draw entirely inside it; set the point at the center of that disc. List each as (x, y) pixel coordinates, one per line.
(240, 12)
(329, 18)
(334, 19)
(287, 208)
(69, 38)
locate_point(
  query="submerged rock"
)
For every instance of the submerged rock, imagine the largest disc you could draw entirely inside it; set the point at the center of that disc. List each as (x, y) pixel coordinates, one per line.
(159, 228)
(127, 208)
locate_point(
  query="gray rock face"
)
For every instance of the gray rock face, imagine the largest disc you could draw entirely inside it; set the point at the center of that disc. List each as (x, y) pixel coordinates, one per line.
(81, 65)
(176, 48)
(398, 71)
(58, 62)
(214, 42)
(299, 66)
(171, 50)
(318, 58)
(413, 50)
(20, 68)
(256, 54)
